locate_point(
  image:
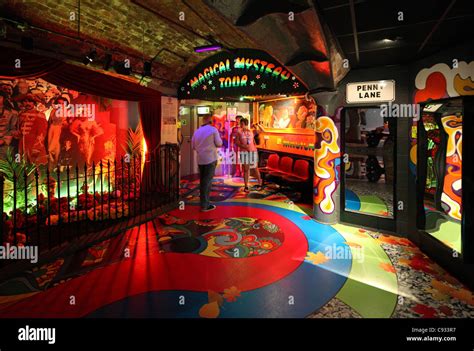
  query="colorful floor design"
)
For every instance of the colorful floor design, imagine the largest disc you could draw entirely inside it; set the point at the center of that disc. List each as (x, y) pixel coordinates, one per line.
(251, 257)
(371, 204)
(189, 190)
(444, 228)
(224, 188)
(228, 237)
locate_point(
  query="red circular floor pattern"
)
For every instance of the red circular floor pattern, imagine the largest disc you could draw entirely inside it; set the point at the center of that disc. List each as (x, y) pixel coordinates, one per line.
(156, 271)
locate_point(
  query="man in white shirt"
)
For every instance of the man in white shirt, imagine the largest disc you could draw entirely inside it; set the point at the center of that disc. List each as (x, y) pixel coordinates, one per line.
(205, 141)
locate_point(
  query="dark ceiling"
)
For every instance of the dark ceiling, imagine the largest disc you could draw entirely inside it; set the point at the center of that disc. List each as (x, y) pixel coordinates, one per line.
(427, 27)
(312, 45)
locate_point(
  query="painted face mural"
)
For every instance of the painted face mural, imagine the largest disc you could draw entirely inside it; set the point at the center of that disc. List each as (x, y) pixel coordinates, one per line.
(452, 188)
(327, 152)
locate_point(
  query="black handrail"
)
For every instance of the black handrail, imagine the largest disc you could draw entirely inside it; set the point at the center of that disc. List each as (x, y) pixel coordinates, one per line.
(133, 188)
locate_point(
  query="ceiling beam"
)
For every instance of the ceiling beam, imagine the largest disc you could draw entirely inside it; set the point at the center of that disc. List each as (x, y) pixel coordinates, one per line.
(336, 7)
(441, 19)
(354, 29)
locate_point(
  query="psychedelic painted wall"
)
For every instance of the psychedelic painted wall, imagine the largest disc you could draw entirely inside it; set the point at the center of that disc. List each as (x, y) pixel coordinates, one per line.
(451, 196)
(333, 103)
(432, 77)
(326, 168)
(440, 81)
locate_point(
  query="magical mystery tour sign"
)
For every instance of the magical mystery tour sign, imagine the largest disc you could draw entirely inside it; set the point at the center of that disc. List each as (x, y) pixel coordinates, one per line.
(243, 72)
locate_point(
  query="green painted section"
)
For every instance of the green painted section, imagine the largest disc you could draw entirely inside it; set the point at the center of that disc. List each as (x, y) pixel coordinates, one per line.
(370, 290)
(449, 232)
(372, 204)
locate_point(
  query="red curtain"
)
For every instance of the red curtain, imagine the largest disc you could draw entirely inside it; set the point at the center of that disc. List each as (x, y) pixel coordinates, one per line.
(71, 76)
(150, 116)
(19, 64)
(90, 82)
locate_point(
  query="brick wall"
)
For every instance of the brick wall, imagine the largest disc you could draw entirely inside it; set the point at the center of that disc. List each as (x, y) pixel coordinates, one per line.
(126, 28)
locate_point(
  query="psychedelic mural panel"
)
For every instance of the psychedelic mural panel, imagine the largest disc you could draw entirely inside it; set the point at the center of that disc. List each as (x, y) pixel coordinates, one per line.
(452, 188)
(440, 81)
(326, 166)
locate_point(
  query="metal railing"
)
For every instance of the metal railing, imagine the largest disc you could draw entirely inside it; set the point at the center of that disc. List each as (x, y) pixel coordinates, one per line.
(48, 208)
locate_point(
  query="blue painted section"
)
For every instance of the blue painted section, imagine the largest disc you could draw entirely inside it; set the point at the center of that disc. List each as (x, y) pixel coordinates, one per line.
(352, 201)
(154, 304)
(298, 294)
(337, 163)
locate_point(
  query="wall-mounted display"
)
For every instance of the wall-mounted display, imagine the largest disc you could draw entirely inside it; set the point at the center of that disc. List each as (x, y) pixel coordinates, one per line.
(288, 125)
(287, 115)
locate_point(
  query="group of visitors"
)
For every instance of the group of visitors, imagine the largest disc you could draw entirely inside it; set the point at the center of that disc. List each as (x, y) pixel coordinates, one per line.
(206, 141)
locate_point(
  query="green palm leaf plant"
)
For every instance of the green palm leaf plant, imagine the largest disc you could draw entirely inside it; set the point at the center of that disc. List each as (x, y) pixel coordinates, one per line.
(134, 145)
(134, 148)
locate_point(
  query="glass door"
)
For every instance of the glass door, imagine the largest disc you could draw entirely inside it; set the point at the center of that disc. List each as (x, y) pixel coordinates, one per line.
(440, 183)
(368, 168)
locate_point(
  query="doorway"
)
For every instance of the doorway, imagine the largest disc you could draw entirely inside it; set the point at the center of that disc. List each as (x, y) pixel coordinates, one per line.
(368, 168)
(188, 125)
(444, 180)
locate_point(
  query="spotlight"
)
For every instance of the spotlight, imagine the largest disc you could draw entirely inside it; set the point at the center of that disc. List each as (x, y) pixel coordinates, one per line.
(147, 69)
(90, 57)
(123, 67)
(206, 48)
(107, 61)
(27, 43)
(392, 39)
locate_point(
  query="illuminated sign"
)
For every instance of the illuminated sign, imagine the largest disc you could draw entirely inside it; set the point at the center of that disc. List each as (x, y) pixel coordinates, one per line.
(376, 91)
(203, 110)
(246, 72)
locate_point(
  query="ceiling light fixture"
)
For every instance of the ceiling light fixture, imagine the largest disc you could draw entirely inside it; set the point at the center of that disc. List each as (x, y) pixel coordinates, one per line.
(207, 48)
(107, 61)
(147, 69)
(123, 67)
(90, 57)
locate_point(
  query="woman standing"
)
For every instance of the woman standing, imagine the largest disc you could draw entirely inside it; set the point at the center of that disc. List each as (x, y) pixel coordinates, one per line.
(248, 155)
(236, 171)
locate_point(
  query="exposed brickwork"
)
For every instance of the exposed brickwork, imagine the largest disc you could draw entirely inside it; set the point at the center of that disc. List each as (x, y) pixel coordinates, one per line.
(129, 28)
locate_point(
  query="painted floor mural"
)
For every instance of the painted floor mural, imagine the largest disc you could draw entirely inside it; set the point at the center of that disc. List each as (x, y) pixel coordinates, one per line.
(258, 255)
(444, 228)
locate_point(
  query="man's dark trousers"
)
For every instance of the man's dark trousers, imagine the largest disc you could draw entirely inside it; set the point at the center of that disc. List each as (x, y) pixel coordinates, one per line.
(206, 173)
